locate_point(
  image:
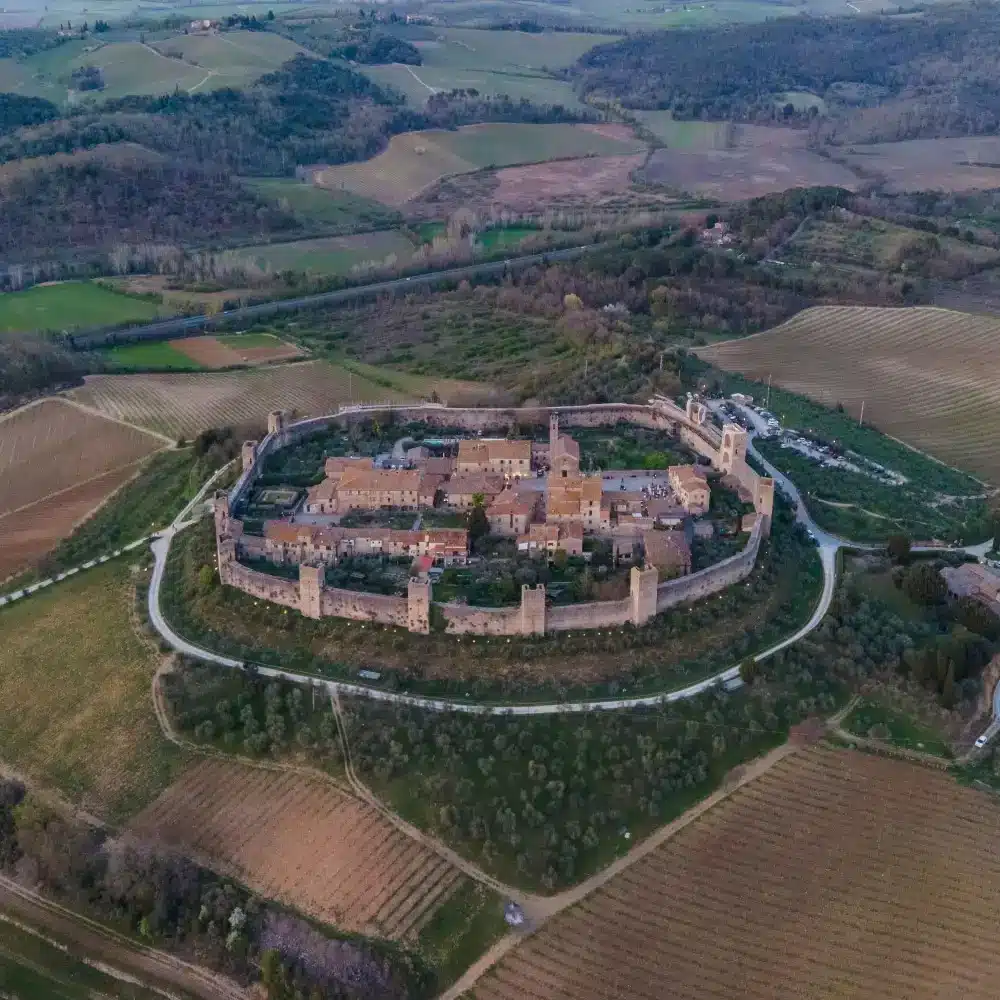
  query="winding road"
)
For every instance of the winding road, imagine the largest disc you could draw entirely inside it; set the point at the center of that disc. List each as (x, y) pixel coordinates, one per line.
(828, 546)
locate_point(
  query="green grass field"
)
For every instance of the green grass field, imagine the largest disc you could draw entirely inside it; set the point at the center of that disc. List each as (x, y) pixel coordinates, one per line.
(505, 236)
(684, 134)
(414, 161)
(160, 355)
(877, 720)
(341, 209)
(70, 305)
(75, 707)
(334, 254)
(515, 63)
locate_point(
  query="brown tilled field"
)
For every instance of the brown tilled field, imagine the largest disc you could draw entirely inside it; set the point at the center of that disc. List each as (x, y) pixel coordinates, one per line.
(529, 187)
(211, 352)
(53, 445)
(57, 464)
(928, 376)
(31, 532)
(834, 874)
(301, 840)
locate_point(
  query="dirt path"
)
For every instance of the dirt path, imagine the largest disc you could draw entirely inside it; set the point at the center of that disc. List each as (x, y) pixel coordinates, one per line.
(87, 939)
(94, 411)
(891, 750)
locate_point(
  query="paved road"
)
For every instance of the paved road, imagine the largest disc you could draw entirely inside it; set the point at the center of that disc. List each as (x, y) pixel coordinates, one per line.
(190, 324)
(161, 547)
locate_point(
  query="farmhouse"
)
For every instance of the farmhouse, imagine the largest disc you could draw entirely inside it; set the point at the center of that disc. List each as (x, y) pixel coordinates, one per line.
(973, 580)
(511, 459)
(690, 486)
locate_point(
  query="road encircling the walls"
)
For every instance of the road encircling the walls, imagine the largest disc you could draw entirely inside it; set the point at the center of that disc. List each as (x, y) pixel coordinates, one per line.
(828, 547)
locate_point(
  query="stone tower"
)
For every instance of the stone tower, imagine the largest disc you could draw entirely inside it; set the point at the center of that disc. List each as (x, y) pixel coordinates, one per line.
(227, 558)
(220, 507)
(248, 454)
(642, 592)
(418, 605)
(696, 410)
(733, 452)
(311, 591)
(553, 433)
(533, 610)
(275, 421)
(763, 501)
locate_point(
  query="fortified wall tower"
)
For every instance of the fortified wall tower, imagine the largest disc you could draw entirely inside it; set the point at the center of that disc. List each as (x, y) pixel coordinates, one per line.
(733, 452)
(418, 605)
(248, 453)
(533, 609)
(643, 594)
(311, 591)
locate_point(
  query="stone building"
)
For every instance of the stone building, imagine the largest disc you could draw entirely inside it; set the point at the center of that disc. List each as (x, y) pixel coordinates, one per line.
(547, 539)
(373, 489)
(500, 456)
(976, 581)
(564, 452)
(511, 512)
(669, 552)
(578, 498)
(305, 543)
(461, 491)
(690, 486)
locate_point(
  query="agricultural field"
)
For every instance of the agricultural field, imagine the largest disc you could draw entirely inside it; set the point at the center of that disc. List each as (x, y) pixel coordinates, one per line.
(515, 63)
(310, 203)
(414, 161)
(57, 464)
(758, 160)
(925, 375)
(965, 164)
(180, 405)
(71, 305)
(199, 353)
(856, 241)
(75, 708)
(332, 254)
(834, 873)
(676, 134)
(304, 842)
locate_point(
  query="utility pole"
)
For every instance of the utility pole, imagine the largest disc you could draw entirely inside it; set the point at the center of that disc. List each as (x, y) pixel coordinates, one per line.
(350, 386)
(861, 419)
(767, 402)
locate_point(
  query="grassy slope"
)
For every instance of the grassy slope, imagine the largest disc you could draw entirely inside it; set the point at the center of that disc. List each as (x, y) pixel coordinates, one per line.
(334, 208)
(332, 255)
(143, 356)
(75, 709)
(69, 305)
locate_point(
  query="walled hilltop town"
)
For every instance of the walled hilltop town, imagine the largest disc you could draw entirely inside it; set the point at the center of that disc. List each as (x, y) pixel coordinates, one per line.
(532, 492)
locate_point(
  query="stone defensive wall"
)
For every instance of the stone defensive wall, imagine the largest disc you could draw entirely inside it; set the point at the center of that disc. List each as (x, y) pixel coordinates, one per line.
(418, 612)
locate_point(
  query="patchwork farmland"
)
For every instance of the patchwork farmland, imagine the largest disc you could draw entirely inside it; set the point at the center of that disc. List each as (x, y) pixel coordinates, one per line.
(416, 160)
(833, 874)
(301, 840)
(930, 377)
(57, 464)
(181, 404)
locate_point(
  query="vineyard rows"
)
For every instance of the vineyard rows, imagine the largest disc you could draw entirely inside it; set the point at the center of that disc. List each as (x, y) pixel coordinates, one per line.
(304, 842)
(833, 874)
(928, 376)
(183, 404)
(53, 446)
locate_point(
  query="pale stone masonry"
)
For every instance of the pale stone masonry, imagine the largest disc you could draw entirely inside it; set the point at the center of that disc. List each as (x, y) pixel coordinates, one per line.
(574, 504)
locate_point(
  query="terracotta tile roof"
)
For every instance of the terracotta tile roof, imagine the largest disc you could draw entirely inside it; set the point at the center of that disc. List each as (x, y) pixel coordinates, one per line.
(511, 502)
(338, 464)
(466, 484)
(493, 450)
(667, 548)
(382, 480)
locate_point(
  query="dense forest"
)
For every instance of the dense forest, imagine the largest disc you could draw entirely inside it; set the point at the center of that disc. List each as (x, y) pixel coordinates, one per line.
(935, 72)
(29, 364)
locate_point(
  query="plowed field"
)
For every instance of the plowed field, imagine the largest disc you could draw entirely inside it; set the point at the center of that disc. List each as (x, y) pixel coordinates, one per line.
(302, 841)
(181, 404)
(57, 464)
(930, 377)
(835, 874)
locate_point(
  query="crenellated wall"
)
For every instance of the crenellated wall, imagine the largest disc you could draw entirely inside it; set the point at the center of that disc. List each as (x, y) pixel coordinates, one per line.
(532, 616)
